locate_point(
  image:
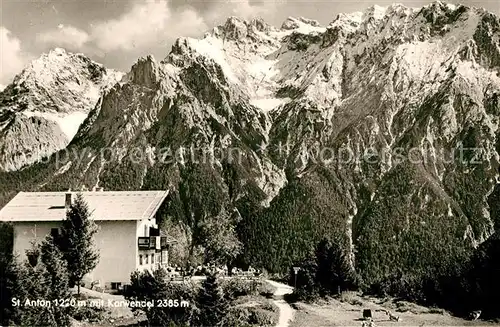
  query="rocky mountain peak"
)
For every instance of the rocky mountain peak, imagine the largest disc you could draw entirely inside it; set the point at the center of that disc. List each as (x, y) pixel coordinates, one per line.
(73, 82)
(145, 71)
(52, 95)
(260, 25)
(292, 23)
(235, 28)
(384, 79)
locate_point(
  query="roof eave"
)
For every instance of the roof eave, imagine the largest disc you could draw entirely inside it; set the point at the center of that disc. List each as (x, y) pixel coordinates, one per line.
(155, 209)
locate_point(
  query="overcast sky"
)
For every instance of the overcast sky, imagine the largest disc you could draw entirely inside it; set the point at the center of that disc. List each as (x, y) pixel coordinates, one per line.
(117, 32)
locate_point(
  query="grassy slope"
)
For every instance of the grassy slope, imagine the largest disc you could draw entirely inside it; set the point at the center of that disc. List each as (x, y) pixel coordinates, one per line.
(349, 312)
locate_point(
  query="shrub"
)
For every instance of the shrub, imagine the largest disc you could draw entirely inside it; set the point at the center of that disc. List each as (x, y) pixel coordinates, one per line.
(88, 313)
(405, 286)
(305, 284)
(236, 287)
(237, 316)
(261, 317)
(265, 314)
(147, 286)
(292, 297)
(350, 297)
(269, 306)
(437, 311)
(266, 289)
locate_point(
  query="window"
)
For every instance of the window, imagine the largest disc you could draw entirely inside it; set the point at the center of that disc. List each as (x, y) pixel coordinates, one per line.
(154, 231)
(152, 258)
(140, 260)
(147, 259)
(115, 285)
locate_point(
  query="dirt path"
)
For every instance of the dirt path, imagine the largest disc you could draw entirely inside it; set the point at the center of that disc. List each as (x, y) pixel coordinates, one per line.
(286, 311)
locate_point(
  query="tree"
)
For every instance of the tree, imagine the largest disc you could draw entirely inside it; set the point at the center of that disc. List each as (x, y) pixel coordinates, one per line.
(47, 280)
(325, 272)
(76, 241)
(212, 305)
(146, 286)
(220, 239)
(8, 276)
(9, 272)
(483, 279)
(333, 273)
(306, 287)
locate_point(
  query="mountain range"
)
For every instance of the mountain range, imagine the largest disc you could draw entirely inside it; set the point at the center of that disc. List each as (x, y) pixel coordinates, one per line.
(380, 129)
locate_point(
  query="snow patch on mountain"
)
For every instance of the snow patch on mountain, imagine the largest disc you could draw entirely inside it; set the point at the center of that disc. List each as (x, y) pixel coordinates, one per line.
(268, 104)
(302, 25)
(347, 22)
(463, 30)
(64, 168)
(212, 48)
(68, 123)
(262, 71)
(376, 12)
(421, 60)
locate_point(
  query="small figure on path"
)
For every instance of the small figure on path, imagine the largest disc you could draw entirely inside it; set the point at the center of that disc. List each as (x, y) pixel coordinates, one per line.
(475, 314)
(391, 316)
(368, 323)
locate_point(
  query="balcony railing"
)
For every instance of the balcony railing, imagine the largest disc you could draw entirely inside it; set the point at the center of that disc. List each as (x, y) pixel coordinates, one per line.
(152, 243)
(144, 243)
(155, 244)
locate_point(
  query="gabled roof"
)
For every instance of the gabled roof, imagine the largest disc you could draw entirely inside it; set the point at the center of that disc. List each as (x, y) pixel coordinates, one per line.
(104, 205)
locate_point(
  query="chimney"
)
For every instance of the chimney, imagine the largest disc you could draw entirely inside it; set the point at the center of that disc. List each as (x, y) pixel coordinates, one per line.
(68, 201)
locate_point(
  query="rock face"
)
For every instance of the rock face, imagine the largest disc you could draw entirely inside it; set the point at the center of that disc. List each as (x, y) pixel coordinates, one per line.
(381, 128)
(41, 110)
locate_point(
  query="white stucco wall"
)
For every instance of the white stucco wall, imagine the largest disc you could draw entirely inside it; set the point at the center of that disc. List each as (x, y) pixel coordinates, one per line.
(27, 233)
(116, 241)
